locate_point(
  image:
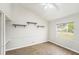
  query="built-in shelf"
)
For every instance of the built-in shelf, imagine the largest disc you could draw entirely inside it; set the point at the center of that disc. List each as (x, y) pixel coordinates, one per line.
(40, 26)
(31, 23)
(19, 25)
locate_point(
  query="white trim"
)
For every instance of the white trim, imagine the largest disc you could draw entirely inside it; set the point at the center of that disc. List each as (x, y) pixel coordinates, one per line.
(30, 44)
(43, 42)
(2, 34)
(65, 47)
(4, 18)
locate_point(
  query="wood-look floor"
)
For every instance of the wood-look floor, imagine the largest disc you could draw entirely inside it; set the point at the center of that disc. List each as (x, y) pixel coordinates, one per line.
(41, 49)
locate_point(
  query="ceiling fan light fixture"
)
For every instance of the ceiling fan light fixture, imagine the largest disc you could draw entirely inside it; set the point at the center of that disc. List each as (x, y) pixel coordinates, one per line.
(47, 5)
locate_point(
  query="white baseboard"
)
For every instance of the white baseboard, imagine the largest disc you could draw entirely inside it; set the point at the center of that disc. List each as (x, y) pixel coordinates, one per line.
(43, 42)
(30, 44)
(65, 47)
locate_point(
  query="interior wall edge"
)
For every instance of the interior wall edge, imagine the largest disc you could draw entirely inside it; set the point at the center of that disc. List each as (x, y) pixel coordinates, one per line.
(64, 47)
(69, 16)
(30, 44)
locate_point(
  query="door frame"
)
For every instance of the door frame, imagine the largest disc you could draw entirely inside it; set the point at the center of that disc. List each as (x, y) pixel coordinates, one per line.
(2, 33)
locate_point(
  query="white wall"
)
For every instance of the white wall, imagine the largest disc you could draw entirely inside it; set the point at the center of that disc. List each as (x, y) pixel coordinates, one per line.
(21, 37)
(6, 9)
(72, 44)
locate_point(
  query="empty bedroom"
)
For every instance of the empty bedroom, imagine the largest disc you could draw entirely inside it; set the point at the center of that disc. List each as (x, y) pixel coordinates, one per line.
(41, 28)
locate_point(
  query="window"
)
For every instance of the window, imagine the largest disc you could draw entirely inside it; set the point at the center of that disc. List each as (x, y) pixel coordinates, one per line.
(65, 30)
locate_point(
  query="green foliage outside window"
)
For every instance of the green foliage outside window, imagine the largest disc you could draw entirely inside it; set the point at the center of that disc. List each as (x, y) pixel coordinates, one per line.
(70, 27)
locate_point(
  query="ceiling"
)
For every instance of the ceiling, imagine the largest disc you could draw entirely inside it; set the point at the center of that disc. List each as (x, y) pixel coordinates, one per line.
(54, 11)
